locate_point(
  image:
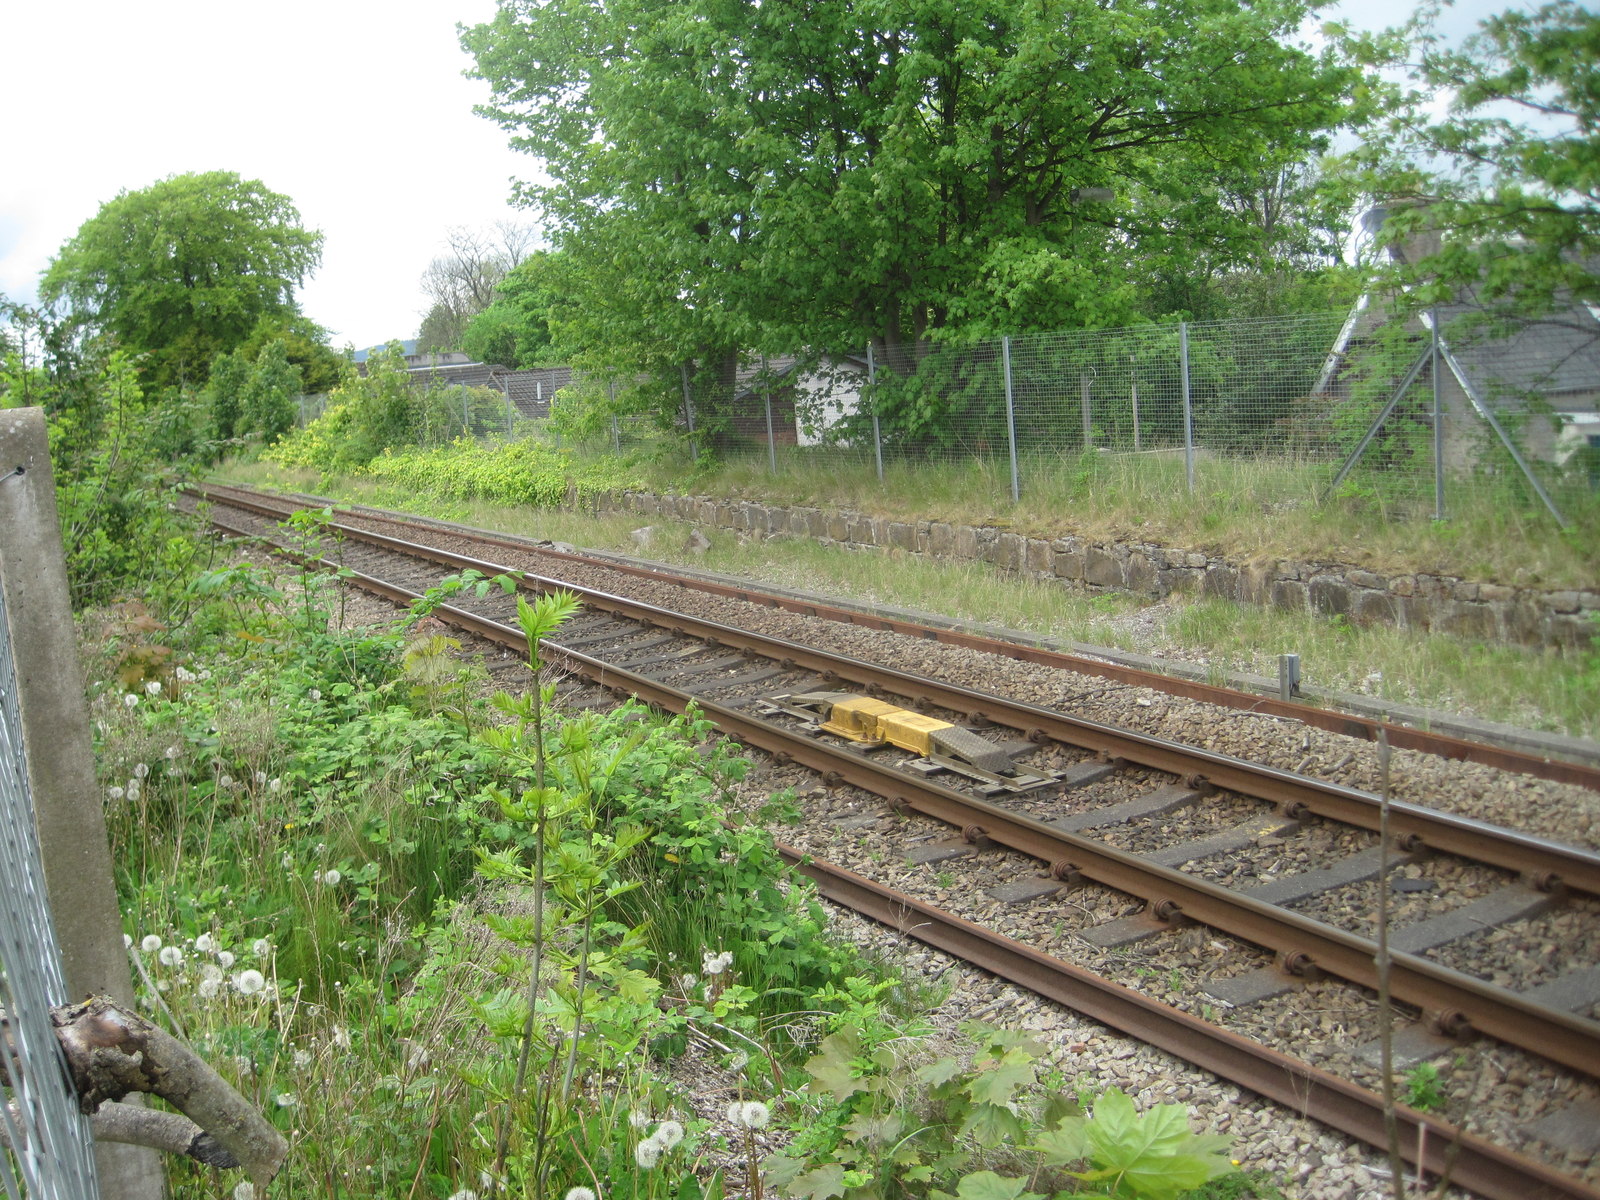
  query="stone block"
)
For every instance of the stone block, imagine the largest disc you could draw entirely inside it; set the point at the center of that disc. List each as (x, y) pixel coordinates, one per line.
(1101, 568)
(1462, 590)
(1331, 594)
(1403, 585)
(1469, 620)
(838, 526)
(966, 542)
(1069, 565)
(902, 535)
(1221, 581)
(941, 539)
(1009, 551)
(1365, 579)
(1495, 593)
(1142, 575)
(1524, 622)
(1374, 608)
(1290, 595)
(1562, 602)
(1039, 556)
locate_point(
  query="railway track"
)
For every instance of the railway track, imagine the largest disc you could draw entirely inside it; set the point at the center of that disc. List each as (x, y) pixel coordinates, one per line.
(1131, 840)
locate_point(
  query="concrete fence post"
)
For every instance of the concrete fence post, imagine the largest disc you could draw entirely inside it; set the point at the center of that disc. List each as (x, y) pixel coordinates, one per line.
(61, 776)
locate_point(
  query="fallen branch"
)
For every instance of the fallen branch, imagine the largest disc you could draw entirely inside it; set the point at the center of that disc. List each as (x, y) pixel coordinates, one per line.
(112, 1052)
(135, 1125)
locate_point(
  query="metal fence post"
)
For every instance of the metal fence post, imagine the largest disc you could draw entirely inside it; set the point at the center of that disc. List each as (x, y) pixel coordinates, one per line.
(766, 396)
(616, 430)
(877, 433)
(1438, 420)
(688, 416)
(1083, 403)
(1011, 418)
(1188, 404)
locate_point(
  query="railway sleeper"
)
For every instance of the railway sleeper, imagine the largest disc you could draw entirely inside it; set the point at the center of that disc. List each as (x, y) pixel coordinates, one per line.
(942, 746)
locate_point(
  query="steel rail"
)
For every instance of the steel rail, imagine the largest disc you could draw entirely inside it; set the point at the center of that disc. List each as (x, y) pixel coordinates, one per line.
(1545, 863)
(1497, 1012)
(1447, 1151)
(1402, 737)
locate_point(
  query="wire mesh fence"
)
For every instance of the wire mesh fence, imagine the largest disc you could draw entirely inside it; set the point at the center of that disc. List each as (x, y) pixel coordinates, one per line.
(1303, 410)
(51, 1147)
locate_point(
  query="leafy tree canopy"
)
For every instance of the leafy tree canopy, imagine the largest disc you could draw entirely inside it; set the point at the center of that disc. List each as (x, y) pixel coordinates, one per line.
(183, 270)
(730, 175)
(305, 345)
(1501, 194)
(514, 330)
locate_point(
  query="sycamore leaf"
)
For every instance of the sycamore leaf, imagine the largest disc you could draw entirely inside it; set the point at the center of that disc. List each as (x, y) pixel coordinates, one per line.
(999, 1083)
(819, 1184)
(986, 1185)
(993, 1125)
(832, 1067)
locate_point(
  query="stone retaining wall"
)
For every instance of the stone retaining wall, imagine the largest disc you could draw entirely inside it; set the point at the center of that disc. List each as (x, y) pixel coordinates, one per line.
(1445, 603)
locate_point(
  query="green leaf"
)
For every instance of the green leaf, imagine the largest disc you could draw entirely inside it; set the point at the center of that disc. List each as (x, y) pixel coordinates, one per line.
(986, 1185)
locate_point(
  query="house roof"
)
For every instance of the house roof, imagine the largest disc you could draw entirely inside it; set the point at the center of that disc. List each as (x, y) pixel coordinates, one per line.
(1553, 356)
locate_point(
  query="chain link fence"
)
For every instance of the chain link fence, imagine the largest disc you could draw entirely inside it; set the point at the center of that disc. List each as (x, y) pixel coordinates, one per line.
(51, 1148)
(1418, 415)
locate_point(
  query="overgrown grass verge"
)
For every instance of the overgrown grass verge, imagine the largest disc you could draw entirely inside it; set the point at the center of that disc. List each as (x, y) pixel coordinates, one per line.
(453, 947)
(1557, 692)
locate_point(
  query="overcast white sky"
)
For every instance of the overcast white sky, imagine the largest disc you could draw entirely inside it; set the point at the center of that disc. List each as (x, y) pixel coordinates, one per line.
(356, 110)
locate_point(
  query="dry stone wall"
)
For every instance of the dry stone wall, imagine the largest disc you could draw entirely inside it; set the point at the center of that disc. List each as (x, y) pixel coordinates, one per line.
(1443, 603)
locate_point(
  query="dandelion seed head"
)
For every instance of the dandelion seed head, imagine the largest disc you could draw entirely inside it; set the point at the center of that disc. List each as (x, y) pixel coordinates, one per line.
(647, 1154)
(127, 941)
(739, 1061)
(171, 956)
(716, 964)
(580, 1193)
(274, 786)
(141, 770)
(249, 982)
(130, 701)
(173, 752)
(209, 988)
(638, 1118)
(315, 694)
(286, 1100)
(753, 1115)
(669, 1134)
(225, 781)
(688, 982)
(224, 959)
(464, 1194)
(212, 972)
(244, 1190)
(331, 877)
(302, 1059)
(150, 943)
(205, 944)
(153, 688)
(341, 1037)
(116, 793)
(261, 947)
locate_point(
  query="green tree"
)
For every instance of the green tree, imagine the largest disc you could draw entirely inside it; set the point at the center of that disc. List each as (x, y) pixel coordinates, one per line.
(305, 345)
(728, 175)
(514, 331)
(223, 394)
(1501, 194)
(182, 271)
(268, 403)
